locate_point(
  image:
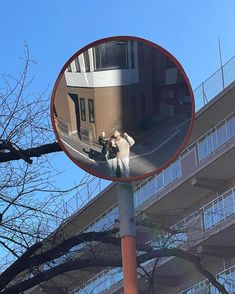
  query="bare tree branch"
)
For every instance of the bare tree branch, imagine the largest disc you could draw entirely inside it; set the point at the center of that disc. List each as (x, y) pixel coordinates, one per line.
(27, 154)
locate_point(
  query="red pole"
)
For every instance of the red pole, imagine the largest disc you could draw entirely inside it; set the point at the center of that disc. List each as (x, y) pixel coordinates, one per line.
(129, 264)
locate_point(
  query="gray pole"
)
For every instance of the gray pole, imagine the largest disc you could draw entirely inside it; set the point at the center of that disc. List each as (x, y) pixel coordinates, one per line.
(126, 210)
(128, 237)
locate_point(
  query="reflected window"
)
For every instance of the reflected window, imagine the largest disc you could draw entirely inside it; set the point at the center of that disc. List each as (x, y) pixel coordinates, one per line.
(69, 69)
(91, 110)
(132, 54)
(77, 65)
(111, 55)
(86, 61)
(83, 109)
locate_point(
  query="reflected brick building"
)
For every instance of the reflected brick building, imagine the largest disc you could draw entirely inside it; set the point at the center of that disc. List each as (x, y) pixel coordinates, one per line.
(123, 85)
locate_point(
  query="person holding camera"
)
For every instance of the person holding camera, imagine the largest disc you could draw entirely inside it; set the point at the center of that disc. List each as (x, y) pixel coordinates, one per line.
(123, 144)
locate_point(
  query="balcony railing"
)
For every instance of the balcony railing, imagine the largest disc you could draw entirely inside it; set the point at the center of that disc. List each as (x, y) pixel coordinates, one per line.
(226, 278)
(100, 282)
(156, 184)
(222, 133)
(103, 222)
(216, 137)
(207, 217)
(215, 84)
(193, 226)
(203, 219)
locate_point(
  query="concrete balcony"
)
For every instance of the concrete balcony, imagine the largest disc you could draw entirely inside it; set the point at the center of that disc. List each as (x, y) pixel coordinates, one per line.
(197, 176)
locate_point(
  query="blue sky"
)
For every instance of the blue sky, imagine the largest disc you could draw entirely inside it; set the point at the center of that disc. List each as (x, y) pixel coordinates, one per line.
(56, 29)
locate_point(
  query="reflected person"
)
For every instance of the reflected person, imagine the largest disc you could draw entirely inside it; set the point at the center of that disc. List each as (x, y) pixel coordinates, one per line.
(109, 150)
(123, 144)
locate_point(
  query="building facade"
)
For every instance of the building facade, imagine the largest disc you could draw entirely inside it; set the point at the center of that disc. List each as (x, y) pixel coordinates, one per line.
(119, 85)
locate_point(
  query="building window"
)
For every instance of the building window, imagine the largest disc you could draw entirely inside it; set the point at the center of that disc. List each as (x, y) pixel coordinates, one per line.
(91, 110)
(83, 109)
(77, 65)
(86, 61)
(133, 106)
(111, 55)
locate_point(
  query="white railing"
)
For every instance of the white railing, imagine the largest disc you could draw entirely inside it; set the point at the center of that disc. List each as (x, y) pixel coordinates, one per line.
(103, 222)
(215, 84)
(209, 215)
(219, 209)
(100, 282)
(155, 184)
(223, 132)
(216, 137)
(226, 278)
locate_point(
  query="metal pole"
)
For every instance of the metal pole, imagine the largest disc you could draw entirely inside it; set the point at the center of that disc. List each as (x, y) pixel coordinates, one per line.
(221, 63)
(128, 237)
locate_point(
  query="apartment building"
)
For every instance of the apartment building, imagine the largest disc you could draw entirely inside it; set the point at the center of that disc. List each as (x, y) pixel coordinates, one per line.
(195, 196)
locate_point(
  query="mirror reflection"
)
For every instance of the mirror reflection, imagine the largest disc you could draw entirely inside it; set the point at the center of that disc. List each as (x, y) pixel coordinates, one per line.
(122, 108)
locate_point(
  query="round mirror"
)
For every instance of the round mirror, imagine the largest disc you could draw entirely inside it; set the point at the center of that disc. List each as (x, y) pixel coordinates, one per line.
(122, 108)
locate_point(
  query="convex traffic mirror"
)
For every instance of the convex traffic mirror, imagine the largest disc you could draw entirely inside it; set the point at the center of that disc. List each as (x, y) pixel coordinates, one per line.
(122, 108)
